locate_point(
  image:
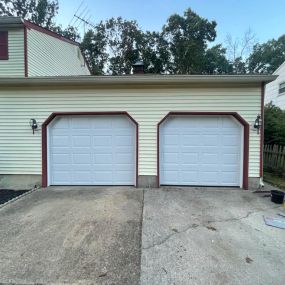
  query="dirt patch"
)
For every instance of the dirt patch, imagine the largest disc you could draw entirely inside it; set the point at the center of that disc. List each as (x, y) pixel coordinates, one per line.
(6, 195)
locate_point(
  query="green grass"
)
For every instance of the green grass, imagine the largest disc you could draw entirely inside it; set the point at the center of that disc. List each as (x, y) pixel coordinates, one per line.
(274, 180)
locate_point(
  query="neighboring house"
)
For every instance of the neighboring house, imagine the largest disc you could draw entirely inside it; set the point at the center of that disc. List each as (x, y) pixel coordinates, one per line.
(28, 50)
(139, 130)
(275, 91)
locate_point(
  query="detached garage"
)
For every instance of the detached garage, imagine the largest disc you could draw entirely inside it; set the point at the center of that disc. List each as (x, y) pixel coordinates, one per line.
(139, 130)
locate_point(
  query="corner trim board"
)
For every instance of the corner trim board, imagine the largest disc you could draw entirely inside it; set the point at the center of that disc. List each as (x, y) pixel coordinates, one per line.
(262, 130)
(26, 51)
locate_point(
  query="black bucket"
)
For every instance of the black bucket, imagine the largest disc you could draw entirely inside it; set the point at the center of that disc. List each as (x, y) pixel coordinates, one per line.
(277, 196)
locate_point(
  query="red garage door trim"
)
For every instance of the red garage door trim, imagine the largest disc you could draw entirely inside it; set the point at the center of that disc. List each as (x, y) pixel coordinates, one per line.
(243, 122)
(53, 115)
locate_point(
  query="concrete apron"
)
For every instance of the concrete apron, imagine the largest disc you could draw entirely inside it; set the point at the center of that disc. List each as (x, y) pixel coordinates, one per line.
(210, 236)
(73, 235)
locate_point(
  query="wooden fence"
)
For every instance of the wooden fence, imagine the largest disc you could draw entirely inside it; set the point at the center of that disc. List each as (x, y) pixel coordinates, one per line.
(274, 159)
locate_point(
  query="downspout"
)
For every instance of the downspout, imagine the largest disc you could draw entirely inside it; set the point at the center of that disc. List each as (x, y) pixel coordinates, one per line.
(261, 184)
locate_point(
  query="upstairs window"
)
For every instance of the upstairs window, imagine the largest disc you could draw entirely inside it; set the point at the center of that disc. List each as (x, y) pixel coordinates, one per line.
(4, 45)
(282, 88)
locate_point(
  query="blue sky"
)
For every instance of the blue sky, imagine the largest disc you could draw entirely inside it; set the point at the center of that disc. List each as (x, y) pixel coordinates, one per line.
(265, 18)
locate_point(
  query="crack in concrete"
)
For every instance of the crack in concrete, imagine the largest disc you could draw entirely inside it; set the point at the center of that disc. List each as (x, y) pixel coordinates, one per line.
(192, 226)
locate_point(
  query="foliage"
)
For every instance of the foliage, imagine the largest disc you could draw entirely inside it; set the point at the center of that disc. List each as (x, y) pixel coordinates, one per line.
(40, 12)
(187, 37)
(274, 125)
(215, 61)
(181, 47)
(94, 47)
(124, 41)
(267, 57)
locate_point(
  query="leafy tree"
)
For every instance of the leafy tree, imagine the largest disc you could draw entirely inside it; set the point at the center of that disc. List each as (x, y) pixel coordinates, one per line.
(124, 43)
(187, 37)
(267, 57)
(216, 61)
(94, 46)
(70, 32)
(154, 53)
(274, 125)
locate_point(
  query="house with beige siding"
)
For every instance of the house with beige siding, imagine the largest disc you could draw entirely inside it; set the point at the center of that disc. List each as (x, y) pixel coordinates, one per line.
(140, 130)
(275, 90)
(28, 50)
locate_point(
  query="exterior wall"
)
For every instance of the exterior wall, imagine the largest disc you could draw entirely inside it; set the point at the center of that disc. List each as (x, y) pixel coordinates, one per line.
(272, 89)
(20, 150)
(15, 65)
(49, 56)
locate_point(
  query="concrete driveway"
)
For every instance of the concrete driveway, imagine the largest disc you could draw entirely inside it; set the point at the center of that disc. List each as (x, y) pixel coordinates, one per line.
(71, 235)
(92, 235)
(210, 236)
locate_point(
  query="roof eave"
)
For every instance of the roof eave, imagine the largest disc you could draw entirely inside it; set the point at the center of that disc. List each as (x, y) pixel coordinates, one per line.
(138, 80)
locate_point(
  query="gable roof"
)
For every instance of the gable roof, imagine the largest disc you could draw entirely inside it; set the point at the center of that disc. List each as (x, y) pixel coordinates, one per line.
(15, 22)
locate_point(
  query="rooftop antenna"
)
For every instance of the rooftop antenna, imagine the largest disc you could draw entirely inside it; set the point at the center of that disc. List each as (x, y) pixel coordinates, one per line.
(80, 5)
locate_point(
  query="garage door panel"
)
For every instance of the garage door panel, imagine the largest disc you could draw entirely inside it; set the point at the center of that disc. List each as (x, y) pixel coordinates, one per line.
(61, 158)
(60, 140)
(230, 140)
(103, 177)
(81, 123)
(190, 140)
(171, 139)
(209, 140)
(170, 176)
(103, 140)
(230, 159)
(122, 176)
(63, 167)
(81, 141)
(186, 157)
(62, 177)
(81, 158)
(93, 150)
(80, 167)
(190, 176)
(209, 158)
(125, 140)
(102, 167)
(81, 177)
(103, 158)
(201, 150)
(170, 158)
(124, 167)
(209, 176)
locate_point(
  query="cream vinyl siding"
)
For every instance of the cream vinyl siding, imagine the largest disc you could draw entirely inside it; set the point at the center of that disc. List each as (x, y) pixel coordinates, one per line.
(20, 150)
(49, 56)
(15, 65)
(272, 89)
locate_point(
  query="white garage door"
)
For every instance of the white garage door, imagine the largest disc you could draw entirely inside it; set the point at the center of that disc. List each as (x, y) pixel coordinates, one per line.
(91, 150)
(201, 150)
